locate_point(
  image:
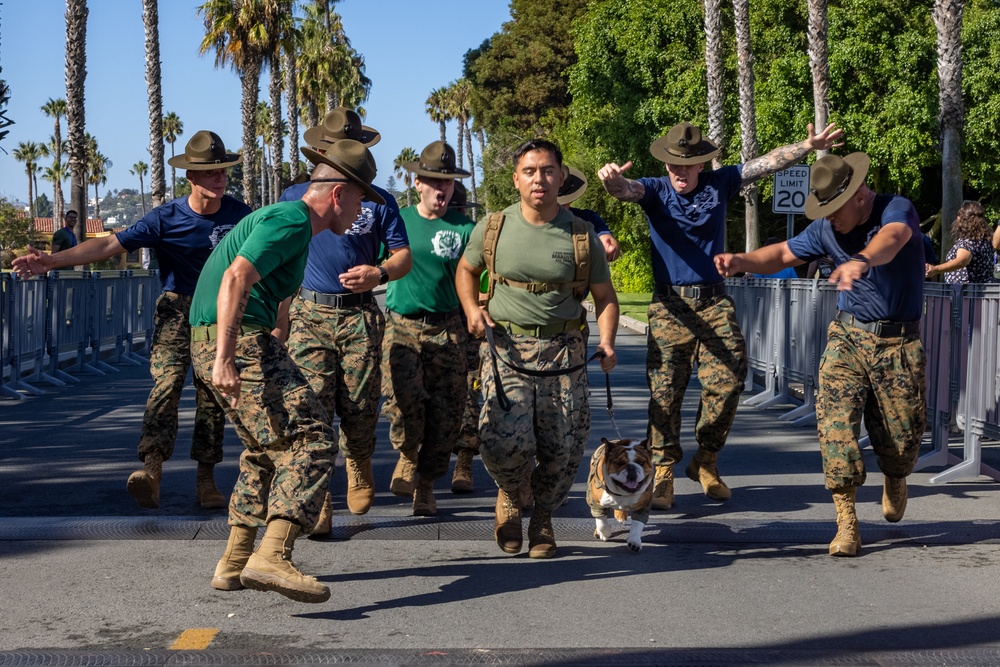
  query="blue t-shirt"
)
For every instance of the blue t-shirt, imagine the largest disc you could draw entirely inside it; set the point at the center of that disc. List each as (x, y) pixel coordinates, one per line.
(596, 221)
(182, 239)
(330, 255)
(787, 273)
(688, 230)
(893, 292)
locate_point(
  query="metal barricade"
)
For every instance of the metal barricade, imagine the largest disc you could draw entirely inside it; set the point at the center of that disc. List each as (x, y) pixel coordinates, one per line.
(109, 314)
(143, 290)
(69, 322)
(756, 323)
(6, 293)
(28, 323)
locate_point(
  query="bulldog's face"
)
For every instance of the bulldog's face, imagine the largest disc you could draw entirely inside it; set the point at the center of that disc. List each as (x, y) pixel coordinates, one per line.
(628, 466)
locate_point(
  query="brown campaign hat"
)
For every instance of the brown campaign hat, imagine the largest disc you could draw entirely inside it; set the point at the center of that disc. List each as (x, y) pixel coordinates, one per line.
(683, 144)
(205, 151)
(353, 160)
(460, 197)
(574, 185)
(833, 180)
(341, 123)
(437, 160)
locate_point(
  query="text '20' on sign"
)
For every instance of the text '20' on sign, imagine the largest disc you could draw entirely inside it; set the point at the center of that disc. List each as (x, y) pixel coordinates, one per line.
(791, 187)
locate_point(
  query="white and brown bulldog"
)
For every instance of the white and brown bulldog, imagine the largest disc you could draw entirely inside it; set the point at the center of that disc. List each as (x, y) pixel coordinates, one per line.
(621, 479)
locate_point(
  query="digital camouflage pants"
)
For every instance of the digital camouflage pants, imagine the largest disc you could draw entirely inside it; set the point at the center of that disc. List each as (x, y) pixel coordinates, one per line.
(682, 331)
(882, 380)
(423, 381)
(169, 361)
(339, 350)
(288, 443)
(549, 421)
(468, 437)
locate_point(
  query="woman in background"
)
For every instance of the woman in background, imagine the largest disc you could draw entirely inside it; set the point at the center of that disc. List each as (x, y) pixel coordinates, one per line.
(970, 260)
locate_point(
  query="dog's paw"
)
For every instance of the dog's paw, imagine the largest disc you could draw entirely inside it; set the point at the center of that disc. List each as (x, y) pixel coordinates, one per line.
(634, 545)
(602, 531)
(622, 516)
(634, 539)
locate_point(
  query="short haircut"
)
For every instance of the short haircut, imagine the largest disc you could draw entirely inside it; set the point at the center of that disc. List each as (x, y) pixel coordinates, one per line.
(537, 145)
(71, 212)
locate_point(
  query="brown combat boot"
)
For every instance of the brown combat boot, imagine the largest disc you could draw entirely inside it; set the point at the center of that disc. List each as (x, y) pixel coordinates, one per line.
(270, 567)
(894, 498)
(507, 529)
(405, 474)
(324, 524)
(360, 485)
(144, 485)
(702, 470)
(541, 537)
(461, 479)
(207, 493)
(238, 550)
(424, 503)
(848, 539)
(663, 487)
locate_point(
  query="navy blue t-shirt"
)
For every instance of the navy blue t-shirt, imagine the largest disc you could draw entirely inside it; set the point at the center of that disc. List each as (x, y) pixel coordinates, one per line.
(182, 239)
(688, 230)
(330, 255)
(893, 292)
(596, 221)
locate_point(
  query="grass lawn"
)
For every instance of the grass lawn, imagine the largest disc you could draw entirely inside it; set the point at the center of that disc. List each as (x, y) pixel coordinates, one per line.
(634, 305)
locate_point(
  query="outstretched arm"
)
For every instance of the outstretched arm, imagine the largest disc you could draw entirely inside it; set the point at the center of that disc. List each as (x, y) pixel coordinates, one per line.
(38, 263)
(617, 185)
(782, 157)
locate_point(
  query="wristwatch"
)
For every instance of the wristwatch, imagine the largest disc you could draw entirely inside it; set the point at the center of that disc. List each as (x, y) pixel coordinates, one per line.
(384, 276)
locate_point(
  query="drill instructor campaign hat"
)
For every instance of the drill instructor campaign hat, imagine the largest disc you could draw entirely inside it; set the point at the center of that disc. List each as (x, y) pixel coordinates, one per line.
(460, 197)
(683, 144)
(341, 123)
(574, 185)
(437, 160)
(353, 160)
(833, 180)
(205, 151)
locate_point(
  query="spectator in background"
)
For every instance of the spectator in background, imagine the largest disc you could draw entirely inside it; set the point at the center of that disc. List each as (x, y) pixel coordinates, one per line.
(970, 260)
(64, 238)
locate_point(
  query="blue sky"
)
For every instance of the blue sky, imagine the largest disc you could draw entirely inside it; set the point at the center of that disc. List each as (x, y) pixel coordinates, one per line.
(410, 48)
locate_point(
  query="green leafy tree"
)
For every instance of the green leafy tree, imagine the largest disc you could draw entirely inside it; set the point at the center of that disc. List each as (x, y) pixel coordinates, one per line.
(173, 127)
(405, 155)
(43, 206)
(29, 153)
(15, 231)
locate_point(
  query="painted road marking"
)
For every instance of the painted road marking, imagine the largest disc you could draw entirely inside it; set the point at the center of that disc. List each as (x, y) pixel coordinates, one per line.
(194, 639)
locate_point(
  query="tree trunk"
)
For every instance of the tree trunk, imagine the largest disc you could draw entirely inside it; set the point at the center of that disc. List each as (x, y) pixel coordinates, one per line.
(76, 76)
(277, 143)
(250, 80)
(818, 63)
(142, 196)
(460, 148)
(748, 114)
(472, 170)
(173, 175)
(157, 179)
(312, 112)
(31, 198)
(951, 116)
(716, 75)
(291, 97)
(444, 135)
(57, 193)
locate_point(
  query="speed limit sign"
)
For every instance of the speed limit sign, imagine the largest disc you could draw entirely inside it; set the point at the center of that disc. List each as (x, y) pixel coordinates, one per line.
(791, 187)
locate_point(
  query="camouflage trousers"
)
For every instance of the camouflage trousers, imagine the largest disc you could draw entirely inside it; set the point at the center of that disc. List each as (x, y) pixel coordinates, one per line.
(549, 421)
(682, 331)
(882, 380)
(289, 445)
(169, 361)
(423, 381)
(339, 350)
(468, 437)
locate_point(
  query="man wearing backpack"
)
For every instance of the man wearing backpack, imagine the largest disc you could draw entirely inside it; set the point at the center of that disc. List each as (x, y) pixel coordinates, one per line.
(541, 260)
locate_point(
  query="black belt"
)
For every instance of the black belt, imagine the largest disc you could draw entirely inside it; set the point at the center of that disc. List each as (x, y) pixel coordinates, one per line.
(693, 291)
(345, 300)
(432, 319)
(880, 328)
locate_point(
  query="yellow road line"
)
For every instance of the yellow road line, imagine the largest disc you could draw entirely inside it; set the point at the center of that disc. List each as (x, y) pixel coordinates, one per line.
(194, 639)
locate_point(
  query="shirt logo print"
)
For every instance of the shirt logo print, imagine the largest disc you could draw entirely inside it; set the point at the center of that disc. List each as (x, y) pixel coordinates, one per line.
(704, 201)
(364, 223)
(447, 244)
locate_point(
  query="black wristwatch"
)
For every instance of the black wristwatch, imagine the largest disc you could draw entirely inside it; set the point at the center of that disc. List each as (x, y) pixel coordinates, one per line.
(384, 276)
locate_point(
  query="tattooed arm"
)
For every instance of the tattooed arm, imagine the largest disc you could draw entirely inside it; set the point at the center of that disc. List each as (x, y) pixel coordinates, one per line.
(617, 185)
(234, 292)
(779, 158)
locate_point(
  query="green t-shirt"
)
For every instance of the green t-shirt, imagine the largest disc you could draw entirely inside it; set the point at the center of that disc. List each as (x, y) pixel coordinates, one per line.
(436, 246)
(536, 254)
(275, 239)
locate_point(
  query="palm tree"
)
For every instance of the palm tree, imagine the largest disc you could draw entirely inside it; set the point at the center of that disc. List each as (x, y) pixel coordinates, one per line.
(56, 109)
(405, 155)
(90, 152)
(99, 165)
(284, 29)
(715, 68)
(76, 76)
(819, 64)
(748, 121)
(460, 93)
(173, 127)
(437, 109)
(157, 179)
(29, 152)
(290, 70)
(140, 169)
(263, 129)
(948, 20)
(55, 175)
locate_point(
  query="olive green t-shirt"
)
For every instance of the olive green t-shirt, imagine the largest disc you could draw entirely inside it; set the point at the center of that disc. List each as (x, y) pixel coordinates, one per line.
(540, 254)
(275, 239)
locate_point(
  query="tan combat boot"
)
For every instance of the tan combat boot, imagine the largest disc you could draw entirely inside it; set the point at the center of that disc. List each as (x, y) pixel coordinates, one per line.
(424, 503)
(324, 524)
(144, 485)
(270, 567)
(507, 529)
(461, 480)
(894, 498)
(360, 485)
(848, 539)
(525, 496)
(541, 537)
(405, 474)
(702, 469)
(663, 487)
(238, 550)
(207, 493)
